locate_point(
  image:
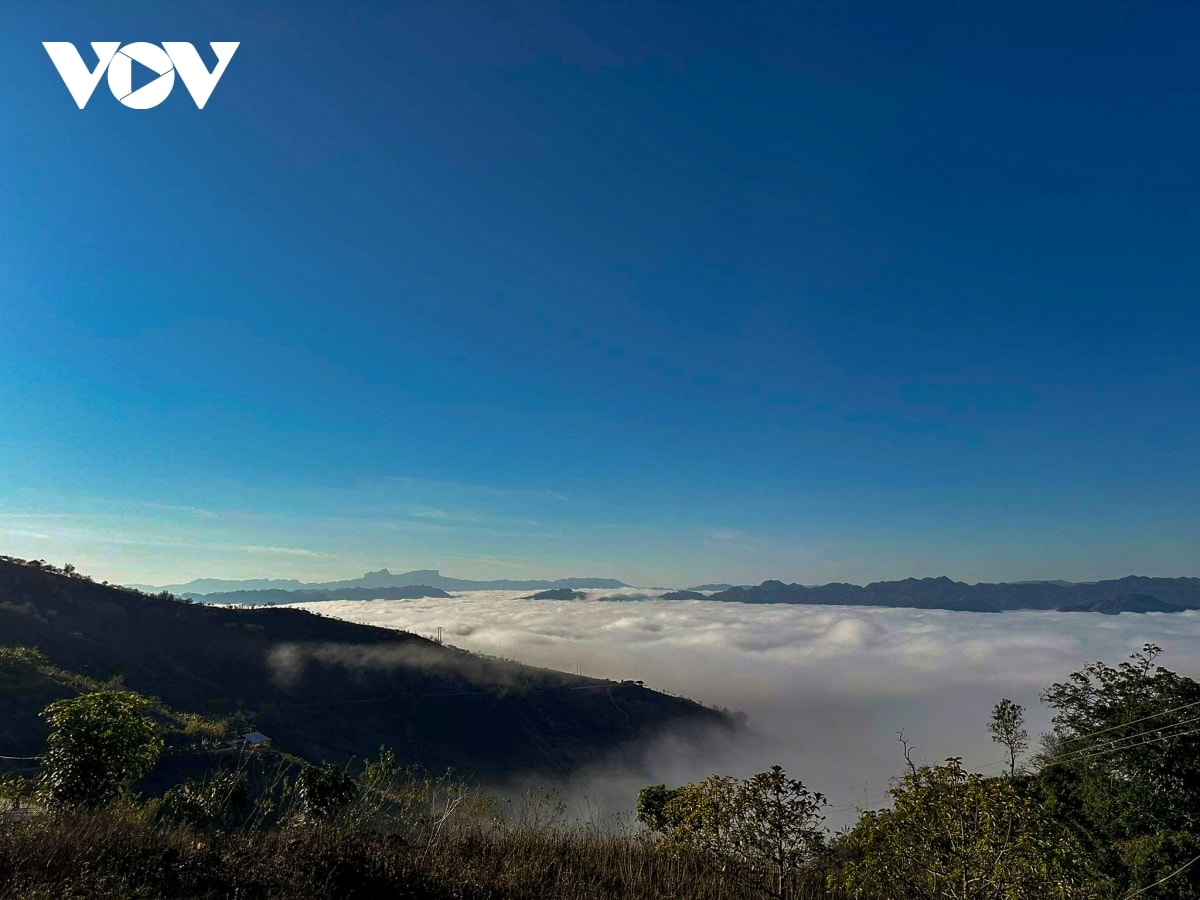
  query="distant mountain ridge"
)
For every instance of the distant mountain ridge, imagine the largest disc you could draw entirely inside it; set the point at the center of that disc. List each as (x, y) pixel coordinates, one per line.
(1140, 603)
(1133, 593)
(382, 578)
(276, 596)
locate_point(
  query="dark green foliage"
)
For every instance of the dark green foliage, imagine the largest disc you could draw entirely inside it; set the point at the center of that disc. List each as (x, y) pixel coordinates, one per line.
(22, 658)
(217, 802)
(1123, 766)
(959, 836)
(98, 743)
(324, 791)
(652, 807)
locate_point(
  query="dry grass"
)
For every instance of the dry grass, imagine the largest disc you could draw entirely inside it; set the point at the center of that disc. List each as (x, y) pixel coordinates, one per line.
(138, 851)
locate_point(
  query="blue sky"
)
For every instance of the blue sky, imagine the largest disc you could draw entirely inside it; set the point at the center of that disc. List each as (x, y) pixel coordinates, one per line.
(670, 292)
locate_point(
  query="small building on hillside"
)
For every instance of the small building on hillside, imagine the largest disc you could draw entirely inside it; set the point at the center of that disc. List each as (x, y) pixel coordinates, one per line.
(249, 740)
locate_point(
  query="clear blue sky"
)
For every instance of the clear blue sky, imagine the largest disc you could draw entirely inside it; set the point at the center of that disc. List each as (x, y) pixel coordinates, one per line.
(666, 291)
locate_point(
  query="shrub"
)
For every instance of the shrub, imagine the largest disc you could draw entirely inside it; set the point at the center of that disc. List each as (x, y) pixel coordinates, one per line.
(99, 743)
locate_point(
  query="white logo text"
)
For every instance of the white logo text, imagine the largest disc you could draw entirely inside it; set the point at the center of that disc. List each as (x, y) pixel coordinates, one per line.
(163, 62)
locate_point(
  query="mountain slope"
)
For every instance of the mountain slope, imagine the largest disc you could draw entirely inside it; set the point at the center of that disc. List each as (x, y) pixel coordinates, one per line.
(324, 688)
(1136, 603)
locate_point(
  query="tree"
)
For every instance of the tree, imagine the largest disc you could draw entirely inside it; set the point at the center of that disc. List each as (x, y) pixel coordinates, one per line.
(777, 826)
(99, 743)
(1123, 762)
(651, 806)
(954, 835)
(1007, 727)
(699, 816)
(761, 829)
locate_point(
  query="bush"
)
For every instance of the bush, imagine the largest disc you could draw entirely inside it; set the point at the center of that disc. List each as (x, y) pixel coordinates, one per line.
(99, 743)
(323, 791)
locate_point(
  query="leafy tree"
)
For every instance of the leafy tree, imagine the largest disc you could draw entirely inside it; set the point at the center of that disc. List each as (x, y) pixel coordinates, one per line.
(651, 806)
(99, 743)
(700, 815)
(954, 835)
(777, 826)
(761, 829)
(1007, 727)
(1123, 763)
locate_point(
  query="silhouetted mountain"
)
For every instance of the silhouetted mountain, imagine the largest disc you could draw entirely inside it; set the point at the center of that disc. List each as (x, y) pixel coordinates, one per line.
(324, 688)
(213, 585)
(683, 595)
(1135, 603)
(557, 594)
(712, 587)
(276, 597)
(381, 579)
(942, 593)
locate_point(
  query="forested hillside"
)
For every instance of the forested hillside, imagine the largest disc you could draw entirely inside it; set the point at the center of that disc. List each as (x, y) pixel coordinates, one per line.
(328, 689)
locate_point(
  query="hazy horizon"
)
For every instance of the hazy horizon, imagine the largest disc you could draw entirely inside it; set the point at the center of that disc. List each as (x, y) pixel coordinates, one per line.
(535, 575)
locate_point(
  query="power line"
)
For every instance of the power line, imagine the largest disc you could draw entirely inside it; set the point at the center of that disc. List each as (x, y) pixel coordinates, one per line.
(1110, 750)
(1084, 752)
(1134, 722)
(1117, 741)
(1178, 871)
(1107, 748)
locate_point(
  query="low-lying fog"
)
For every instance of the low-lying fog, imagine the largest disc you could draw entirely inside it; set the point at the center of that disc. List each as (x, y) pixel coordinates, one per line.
(825, 688)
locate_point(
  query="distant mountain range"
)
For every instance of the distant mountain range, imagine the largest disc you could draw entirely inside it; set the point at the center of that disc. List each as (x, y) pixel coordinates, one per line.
(201, 587)
(1133, 593)
(276, 596)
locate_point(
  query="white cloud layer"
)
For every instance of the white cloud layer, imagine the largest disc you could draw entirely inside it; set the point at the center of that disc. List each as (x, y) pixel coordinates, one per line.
(825, 688)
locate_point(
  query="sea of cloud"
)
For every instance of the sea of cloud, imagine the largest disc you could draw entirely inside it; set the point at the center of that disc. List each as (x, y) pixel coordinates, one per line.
(826, 689)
